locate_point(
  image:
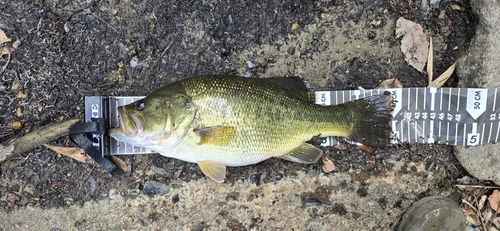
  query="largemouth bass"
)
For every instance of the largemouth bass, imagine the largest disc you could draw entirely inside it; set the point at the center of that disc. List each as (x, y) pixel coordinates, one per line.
(219, 121)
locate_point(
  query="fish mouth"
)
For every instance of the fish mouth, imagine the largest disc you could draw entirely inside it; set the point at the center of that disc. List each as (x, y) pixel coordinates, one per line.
(130, 125)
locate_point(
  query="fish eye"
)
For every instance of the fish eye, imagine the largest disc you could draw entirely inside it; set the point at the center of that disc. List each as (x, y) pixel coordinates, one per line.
(140, 106)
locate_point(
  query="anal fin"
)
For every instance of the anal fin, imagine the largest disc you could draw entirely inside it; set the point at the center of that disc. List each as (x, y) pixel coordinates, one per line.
(305, 153)
(215, 170)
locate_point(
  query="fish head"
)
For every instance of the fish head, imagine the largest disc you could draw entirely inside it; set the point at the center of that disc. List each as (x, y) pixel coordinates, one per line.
(157, 120)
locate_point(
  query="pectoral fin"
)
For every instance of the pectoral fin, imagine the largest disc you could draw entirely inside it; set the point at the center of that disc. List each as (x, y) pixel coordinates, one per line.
(305, 153)
(219, 135)
(215, 170)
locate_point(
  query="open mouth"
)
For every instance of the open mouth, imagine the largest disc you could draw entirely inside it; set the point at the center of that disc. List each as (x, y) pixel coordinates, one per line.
(130, 124)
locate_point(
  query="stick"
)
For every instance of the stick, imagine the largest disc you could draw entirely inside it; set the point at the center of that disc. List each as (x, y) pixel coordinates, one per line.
(42, 135)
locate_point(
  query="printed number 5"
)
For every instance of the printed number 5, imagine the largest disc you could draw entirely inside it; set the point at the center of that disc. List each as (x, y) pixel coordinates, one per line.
(473, 139)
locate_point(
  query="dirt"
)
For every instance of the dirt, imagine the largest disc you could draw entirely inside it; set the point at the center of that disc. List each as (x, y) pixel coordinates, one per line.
(73, 49)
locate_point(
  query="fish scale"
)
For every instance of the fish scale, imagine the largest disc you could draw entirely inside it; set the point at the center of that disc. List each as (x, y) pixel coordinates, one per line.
(219, 121)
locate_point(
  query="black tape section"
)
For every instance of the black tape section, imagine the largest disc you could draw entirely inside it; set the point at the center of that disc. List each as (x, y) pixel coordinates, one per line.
(77, 135)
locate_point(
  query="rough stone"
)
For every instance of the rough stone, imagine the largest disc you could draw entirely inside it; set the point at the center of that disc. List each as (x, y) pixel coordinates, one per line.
(479, 68)
(281, 205)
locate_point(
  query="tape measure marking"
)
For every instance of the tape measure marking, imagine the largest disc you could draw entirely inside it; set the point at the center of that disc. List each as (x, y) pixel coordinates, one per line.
(455, 116)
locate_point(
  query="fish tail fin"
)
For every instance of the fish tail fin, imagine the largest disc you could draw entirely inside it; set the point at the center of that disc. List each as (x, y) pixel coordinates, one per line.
(372, 124)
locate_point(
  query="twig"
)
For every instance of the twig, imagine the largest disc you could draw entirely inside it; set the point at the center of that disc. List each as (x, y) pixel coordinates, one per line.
(477, 186)
(166, 49)
(19, 145)
(105, 22)
(430, 61)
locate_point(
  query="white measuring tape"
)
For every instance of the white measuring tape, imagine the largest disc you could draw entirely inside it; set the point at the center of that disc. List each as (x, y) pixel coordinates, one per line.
(452, 116)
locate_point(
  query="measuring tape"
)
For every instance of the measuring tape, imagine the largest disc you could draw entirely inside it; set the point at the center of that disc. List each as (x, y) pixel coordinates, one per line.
(452, 116)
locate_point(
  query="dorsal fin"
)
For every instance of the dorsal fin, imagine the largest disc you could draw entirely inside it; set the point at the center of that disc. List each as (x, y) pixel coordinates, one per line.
(296, 84)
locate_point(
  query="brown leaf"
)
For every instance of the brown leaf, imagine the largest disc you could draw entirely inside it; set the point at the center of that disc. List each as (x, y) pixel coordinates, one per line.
(120, 163)
(10, 199)
(415, 47)
(16, 126)
(455, 7)
(5, 50)
(328, 165)
(367, 149)
(3, 37)
(496, 222)
(177, 173)
(494, 200)
(56, 184)
(75, 153)
(403, 26)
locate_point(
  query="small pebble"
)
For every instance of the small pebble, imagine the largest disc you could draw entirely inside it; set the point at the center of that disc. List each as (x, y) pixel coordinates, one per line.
(313, 171)
(178, 182)
(114, 194)
(134, 62)
(175, 198)
(68, 201)
(94, 186)
(223, 52)
(134, 192)
(372, 35)
(155, 188)
(278, 176)
(255, 178)
(250, 64)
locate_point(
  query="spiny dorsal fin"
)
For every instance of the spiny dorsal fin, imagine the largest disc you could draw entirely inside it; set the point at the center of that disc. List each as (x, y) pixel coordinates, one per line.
(305, 154)
(215, 170)
(219, 135)
(296, 84)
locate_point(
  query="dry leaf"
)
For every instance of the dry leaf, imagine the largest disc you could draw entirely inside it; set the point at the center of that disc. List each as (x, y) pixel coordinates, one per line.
(21, 95)
(367, 149)
(16, 126)
(443, 77)
(403, 26)
(6, 50)
(75, 153)
(456, 7)
(120, 163)
(160, 171)
(481, 202)
(390, 83)
(10, 199)
(494, 200)
(415, 47)
(3, 37)
(487, 214)
(496, 222)
(177, 173)
(328, 165)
